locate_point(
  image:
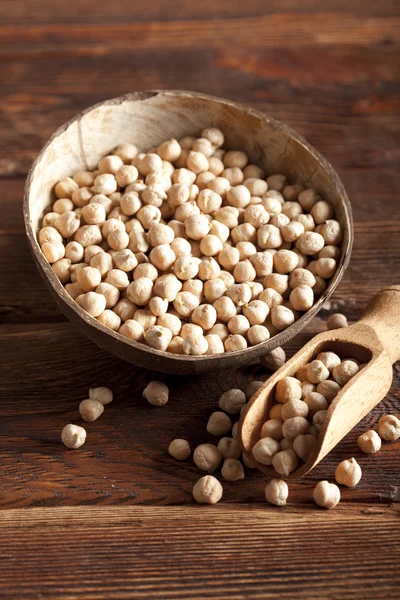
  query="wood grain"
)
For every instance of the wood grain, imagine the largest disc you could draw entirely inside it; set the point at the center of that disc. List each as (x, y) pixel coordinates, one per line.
(235, 552)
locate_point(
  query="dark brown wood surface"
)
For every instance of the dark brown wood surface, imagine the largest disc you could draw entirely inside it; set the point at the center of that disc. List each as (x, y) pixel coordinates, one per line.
(331, 71)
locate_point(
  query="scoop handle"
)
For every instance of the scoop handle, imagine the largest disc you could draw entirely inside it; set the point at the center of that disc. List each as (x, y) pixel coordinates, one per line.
(383, 315)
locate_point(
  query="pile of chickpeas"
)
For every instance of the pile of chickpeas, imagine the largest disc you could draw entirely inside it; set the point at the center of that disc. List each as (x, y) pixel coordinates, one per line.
(188, 248)
(290, 434)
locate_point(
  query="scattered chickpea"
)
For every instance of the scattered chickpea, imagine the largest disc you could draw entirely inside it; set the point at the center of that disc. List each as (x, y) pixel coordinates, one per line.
(230, 447)
(73, 436)
(285, 462)
(326, 495)
(232, 401)
(389, 428)
(207, 490)
(219, 424)
(179, 449)
(90, 410)
(348, 473)
(277, 492)
(156, 393)
(274, 360)
(207, 457)
(336, 321)
(265, 449)
(232, 469)
(369, 442)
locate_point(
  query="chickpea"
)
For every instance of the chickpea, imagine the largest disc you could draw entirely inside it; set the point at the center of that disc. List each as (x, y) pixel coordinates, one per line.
(162, 257)
(214, 289)
(197, 226)
(330, 360)
(62, 268)
(73, 436)
(101, 394)
(229, 216)
(258, 334)
(234, 343)
(389, 428)
(277, 492)
(302, 298)
(274, 359)
(345, 371)
(195, 287)
(207, 457)
(88, 235)
(211, 245)
(315, 402)
(307, 388)
(207, 490)
(277, 282)
(282, 317)
(230, 448)
(326, 495)
(118, 279)
(234, 175)
(125, 309)
(319, 419)
(88, 278)
(317, 372)
(185, 303)
(132, 329)
(294, 408)
(167, 286)
(294, 426)
(156, 393)
(285, 462)
(329, 389)
(336, 321)
(92, 303)
(232, 469)
(269, 236)
(272, 429)
(195, 344)
(303, 445)
(369, 442)
(276, 412)
(348, 473)
(244, 272)
(197, 162)
(265, 449)
(90, 410)
(232, 401)
(179, 449)
(176, 345)
(310, 243)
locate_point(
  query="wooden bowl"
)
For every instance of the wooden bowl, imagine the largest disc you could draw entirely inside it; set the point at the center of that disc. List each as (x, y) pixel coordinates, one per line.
(146, 119)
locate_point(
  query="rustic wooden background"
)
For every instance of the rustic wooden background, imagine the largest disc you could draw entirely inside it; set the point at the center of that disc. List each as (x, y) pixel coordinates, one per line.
(330, 70)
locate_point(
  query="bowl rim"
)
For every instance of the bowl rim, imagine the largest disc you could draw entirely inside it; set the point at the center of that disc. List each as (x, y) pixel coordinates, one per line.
(278, 339)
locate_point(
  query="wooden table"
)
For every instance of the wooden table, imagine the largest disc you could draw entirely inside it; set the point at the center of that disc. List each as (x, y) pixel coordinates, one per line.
(98, 522)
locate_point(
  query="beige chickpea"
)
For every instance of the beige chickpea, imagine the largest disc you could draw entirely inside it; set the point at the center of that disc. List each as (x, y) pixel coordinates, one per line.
(197, 162)
(285, 462)
(256, 215)
(214, 135)
(272, 429)
(336, 321)
(209, 269)
(208, 201)
(194, 286)
(280, 221)
(302, 298)
(256, 289)
(84, 178)
(238, 196)
(332, 233)
(112, 224)
(74, 270)
(197, 227)
(103, 262)
(138, 241)
(110, 164)
(229, 216)
(235, 158)
(276, 182)
(330, 359)
(232, 469)
(167, 286)
(147, 163)
(74, 252)
(307, 221)
(178, 194)
(126, 175)
(244, 272)
(276, 412)
(301, 277)
(88, 235)
(63, 205)
(291, 192)
(181, 247)
(171, 322)
(329, 389)
(158, 306)
(348, 473)
(315, 402)
(326, 495)
(256, 186)
(294, 408)
(369, 442)
(160, 234)
(179, 449)
(219, 185)
(234, 175)
(176, 345)
(62, 268)
(215, 165)
(207, 490)
(210, 245)
(125, 309)
(389, 428)
(214, 344)
(169, 150)
(109, 319)
(204, 146)
(130, 203)
(92, 303)
(292, 231)
(265, 449)
(90, 410)
(345, 371)
(272, 202)
(326, 267)
(127, 152)
(118, 279)
(158, 337)
(238, 324)
(229, 257)
(277, 492)
(205, 316)
(73, 436)
(214, 289)
(65, 187)
(207, 457)
(229, 281)
(262, 263)
(295, 426)
(319, 419)
(125, 260)
(162, 257)
(118, 240)
(269, 236)
(234, 343)
(253, 171)
(317, 372)
(185, 303)
(93, 213)
(287, 388)
(256, 312)
(148, 215)
(91, 251)
(282, 317)
(303, 445)
(229, 447)
(258, 334)
(322, 211)
(110, 292)
(190, 329)
(88, 278)
(84, 196)
(156, 393)
(225, 308)
(132, 329)
(273, 361)
(232, 401)
(73, 290)
(320, 285)
(220, 230)
(219, 424)
(240, 294)
(329, 252)
(67, 224)
(105, 184)
(310, 243)
(101, 394)
(285, 261)
(49, 219)
(140, 291)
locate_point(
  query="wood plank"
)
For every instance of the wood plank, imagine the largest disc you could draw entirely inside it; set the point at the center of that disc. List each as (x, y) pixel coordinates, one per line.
(41, 11)
(125, 458)
(238, 552)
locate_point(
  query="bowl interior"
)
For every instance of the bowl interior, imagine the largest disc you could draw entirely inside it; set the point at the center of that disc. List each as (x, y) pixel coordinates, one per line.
(146, 119)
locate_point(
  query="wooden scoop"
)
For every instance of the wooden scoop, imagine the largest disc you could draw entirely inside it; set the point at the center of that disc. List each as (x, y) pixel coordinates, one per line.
(374, 340)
